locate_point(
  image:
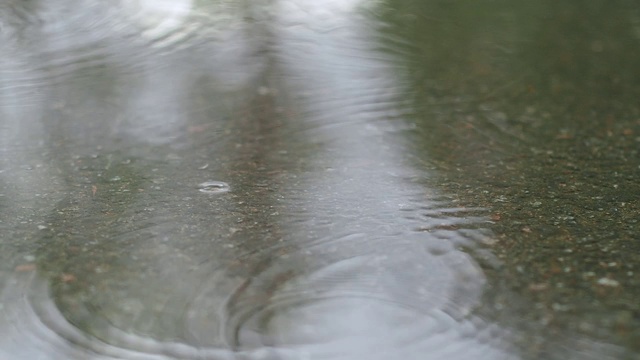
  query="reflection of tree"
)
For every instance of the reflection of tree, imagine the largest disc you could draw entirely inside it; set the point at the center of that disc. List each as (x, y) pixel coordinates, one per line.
(458, 45)
(585, 59)
(531, 110)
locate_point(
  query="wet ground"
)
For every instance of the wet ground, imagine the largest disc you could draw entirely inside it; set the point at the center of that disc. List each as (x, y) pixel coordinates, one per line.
(319, 180)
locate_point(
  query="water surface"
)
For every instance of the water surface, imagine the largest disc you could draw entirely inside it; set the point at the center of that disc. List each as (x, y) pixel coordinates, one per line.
(304, 180)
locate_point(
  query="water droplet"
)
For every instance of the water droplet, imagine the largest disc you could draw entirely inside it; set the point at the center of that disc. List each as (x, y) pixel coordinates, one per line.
(213, 187)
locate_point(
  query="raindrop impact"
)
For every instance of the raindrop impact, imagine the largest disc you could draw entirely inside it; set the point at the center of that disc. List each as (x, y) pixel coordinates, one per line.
(213, 187)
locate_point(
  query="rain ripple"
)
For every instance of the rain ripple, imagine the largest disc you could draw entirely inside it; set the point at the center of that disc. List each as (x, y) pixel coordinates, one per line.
(34, 328)
(361, 286)
(62, 39)
(360, 296)
(363, 307)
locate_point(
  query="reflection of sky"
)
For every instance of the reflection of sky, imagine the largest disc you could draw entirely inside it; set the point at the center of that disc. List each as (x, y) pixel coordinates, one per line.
(76, 80)
(383, 295)
(382, 286)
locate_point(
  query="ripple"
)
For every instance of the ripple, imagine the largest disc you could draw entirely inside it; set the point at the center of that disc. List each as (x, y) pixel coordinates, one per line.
(64, 39)
(355, 309)
(33, 327)
(213, 187)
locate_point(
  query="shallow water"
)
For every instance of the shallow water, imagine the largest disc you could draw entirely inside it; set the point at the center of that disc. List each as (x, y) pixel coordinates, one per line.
(305, 180)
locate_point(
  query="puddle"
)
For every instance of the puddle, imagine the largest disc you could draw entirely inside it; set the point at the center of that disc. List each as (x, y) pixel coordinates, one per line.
(410, 180)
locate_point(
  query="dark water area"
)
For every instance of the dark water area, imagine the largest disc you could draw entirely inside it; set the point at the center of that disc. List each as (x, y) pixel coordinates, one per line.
(307, 179)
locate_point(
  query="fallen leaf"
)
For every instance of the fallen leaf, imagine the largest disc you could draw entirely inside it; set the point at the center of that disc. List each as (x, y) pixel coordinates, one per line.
(65, 277)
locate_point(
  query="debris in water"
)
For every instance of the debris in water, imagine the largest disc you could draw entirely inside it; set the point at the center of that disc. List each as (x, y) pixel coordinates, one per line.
(25, 267)
(608, 282)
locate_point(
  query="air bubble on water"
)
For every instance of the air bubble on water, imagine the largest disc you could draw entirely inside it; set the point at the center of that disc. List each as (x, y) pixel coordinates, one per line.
(213, 187)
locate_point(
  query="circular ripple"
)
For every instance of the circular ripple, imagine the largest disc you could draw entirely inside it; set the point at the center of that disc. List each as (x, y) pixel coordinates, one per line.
(213, 187)
(365, 307)
(32, 326)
